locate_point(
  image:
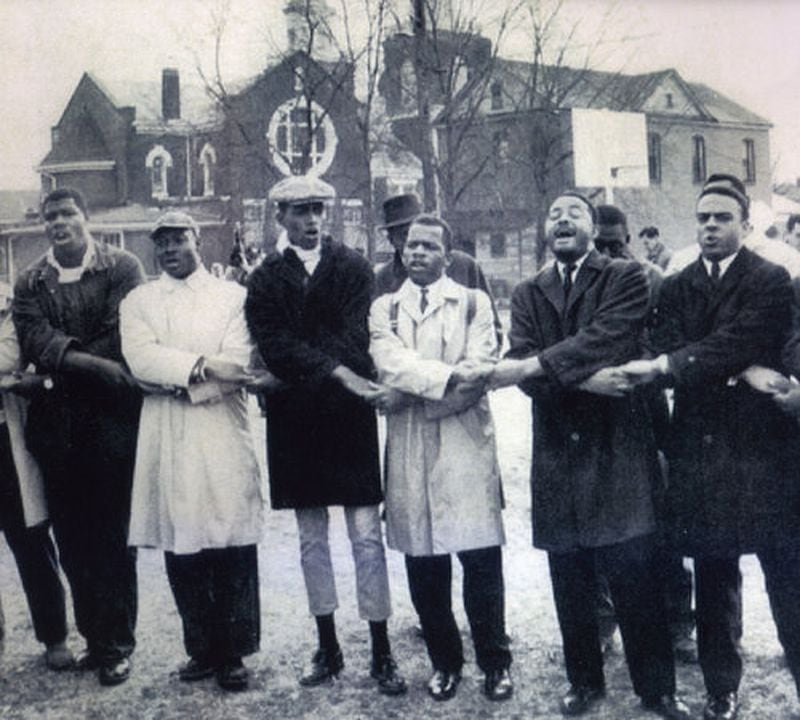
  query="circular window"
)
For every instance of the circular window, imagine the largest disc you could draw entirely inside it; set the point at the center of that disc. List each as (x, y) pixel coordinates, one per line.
(301, 138)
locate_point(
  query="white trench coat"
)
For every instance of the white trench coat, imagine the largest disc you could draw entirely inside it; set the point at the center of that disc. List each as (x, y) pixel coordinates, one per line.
(197, 483)
(442, 477)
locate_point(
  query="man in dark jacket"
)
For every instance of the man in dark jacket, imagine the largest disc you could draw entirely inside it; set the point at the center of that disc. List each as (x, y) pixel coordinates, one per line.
(594, 456)
(307, 310)
(733, 455)
(83, 431)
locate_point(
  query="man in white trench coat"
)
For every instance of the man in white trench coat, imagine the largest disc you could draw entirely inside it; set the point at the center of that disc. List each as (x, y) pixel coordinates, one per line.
(196, 488)
(433, 341)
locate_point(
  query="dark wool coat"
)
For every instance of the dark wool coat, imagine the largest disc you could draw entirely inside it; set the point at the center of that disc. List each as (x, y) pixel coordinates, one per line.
(734, 456)
(322, 441)
(595, 468)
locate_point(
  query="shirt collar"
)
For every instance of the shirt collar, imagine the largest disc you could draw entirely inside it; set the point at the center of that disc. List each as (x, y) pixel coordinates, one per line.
(73, 274)
(724, 264)
(562, 266)
(196, 281)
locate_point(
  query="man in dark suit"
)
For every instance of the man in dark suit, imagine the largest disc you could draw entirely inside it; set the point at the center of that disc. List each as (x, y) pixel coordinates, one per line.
(307, 311)
(594, 455)
(733, 455)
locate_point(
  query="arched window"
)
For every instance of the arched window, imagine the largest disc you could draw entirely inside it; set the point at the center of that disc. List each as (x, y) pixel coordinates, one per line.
(408, 85)
(208, 161)
(654, 157)
(301, 138)
(158, 160)
(698, 159)
(749, 160)
(497, 95)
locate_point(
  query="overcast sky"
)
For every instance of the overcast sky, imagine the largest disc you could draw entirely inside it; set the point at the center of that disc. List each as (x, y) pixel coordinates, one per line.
(746, 49)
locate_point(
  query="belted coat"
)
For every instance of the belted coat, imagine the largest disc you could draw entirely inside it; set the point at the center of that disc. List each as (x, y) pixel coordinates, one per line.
(322, 441)
(594, 473)
(734, 456)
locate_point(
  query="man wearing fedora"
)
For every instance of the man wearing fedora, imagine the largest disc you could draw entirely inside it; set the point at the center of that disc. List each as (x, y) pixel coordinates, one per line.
(399, 212)
(307, 308)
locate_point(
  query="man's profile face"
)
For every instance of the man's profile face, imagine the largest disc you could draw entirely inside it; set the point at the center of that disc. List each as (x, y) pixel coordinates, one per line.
(303, 223)
(397, 236)
(792, 237)
(720, 227)
(425, 255)
(65, 224)
(569, 228)
(612, 240)
(651, 243)
(177, 251)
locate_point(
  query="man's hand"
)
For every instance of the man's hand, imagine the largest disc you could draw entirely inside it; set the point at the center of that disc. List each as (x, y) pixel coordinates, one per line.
(24, 384)
(264, 382)
(512, 371)
(112, 373)
(640, 372)
(226, 371)
(610, 381)
(789, 400)
(765, 380)
(365, 389)
(391, 400)
(471, 372)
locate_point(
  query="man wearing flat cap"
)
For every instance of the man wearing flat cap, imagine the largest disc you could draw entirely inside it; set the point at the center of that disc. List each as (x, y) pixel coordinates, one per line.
(83, 431)
(734, 457)
(307, 309)
(399, 211)
(197, 485)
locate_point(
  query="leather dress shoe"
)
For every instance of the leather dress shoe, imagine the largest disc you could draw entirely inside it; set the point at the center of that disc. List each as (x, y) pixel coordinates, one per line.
(115, 672)
(196, 669)
(324, 666)
(86, 660)
(667, 706)
(721, 707)
(497, 685)
(443, 684)
(580, 698)
(59, 657)
(390, 681)
(232, 675)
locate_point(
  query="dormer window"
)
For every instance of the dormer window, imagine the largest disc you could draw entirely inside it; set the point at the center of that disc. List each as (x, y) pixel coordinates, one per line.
(208, 161)
(158, 160)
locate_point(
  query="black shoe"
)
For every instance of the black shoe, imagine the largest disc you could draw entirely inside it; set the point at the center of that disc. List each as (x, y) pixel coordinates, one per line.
(721, 707)
(86, 660)
(195, 669)
(498, 685)
(443, 684)
(115, 672)
(580, 698)
(232, 675)
(667, 706)
(384, 670)
(324, 666)
(58, 657)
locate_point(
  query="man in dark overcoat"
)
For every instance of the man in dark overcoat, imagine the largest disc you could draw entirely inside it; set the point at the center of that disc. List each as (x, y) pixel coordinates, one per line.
(83, 431)
(307, 310)
(594, 456)
(734, 457)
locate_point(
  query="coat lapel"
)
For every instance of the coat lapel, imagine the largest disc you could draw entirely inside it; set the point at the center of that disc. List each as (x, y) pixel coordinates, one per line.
(589, 268)
(291, 269)
(549, 283)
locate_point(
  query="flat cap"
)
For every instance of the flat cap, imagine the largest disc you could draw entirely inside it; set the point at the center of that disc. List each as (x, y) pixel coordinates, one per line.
(175, 219)
(300, 190)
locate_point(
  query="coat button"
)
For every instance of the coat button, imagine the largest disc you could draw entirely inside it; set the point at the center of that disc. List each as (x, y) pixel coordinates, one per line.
(575, 437)
(708, 439)
(692, 358)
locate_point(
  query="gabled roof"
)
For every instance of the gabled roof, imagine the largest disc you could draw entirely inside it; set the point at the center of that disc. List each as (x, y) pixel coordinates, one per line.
(724, 109)
(198, 107)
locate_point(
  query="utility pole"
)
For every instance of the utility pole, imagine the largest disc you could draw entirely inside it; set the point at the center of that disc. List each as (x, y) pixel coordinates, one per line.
(421, 75)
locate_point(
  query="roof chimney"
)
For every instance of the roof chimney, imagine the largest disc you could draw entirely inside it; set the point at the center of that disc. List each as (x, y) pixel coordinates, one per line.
(170, 94)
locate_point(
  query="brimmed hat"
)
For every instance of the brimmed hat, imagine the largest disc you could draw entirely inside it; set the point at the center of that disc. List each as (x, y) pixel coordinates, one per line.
(175, 219)
(400, 210)
(301, 190)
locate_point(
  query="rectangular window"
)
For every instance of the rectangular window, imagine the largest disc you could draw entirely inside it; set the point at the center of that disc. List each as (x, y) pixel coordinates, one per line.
(112, 238)
(698, 159)
(497, 95)
(497, 245)
(749, 161)
(654, 157)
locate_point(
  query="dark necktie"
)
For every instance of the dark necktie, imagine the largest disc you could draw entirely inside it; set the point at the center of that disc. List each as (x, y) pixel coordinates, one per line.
(423, 300)
(568, 270)
(715, 273)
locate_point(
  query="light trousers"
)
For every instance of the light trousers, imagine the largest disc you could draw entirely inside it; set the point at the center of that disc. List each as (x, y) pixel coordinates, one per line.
(366, 542)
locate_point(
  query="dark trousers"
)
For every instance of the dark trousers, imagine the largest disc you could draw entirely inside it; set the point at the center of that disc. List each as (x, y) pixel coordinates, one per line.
(34, 553)
(429, 582)
(632, 579)
(88, 488)
(719, 613)
(216, 592)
